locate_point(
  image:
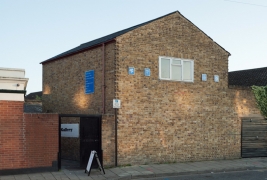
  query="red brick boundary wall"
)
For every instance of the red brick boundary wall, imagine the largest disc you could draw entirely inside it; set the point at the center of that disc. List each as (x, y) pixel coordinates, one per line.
(28, 142)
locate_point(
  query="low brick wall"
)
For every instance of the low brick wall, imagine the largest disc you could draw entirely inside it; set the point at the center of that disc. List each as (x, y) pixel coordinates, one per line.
(28, 142)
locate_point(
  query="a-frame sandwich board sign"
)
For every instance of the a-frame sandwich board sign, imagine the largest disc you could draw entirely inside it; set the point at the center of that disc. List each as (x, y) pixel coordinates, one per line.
(90, 161)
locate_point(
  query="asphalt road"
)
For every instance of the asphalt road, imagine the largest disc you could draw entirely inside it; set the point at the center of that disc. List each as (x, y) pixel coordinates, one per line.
(240, 175)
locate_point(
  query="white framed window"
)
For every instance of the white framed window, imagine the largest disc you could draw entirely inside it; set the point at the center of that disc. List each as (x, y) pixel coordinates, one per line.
(176, 69)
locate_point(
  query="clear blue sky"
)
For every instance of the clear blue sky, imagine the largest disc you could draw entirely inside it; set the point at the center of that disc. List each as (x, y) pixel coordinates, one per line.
(32, 31)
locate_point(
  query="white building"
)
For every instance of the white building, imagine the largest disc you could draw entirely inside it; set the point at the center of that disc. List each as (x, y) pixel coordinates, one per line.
(12, 84)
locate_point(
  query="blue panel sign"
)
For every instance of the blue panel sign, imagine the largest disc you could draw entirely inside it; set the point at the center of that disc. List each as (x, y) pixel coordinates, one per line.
(89, 82)
(147, 72)
(131, 70)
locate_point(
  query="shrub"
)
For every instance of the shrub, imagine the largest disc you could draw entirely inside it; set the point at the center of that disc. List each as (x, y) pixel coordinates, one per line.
(260, 93)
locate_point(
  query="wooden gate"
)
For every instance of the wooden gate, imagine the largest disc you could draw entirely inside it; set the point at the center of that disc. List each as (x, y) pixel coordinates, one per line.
(254, 137)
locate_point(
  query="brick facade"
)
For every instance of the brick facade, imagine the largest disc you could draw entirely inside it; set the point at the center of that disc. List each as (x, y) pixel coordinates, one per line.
(159, 120)
(64, 93)
(63, 82)
(188, 121)
(108, 139)
(27, 140)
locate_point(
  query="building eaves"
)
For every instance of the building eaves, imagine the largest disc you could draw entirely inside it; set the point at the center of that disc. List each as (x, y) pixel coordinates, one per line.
(110, 37)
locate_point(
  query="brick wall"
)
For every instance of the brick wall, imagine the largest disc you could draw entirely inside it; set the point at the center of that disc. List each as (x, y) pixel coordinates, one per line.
(244, 101)
(108, 140)
(40, 139)
(63, 82)
(11, 135)
(26, 140)
(169, 121)
(64, 92)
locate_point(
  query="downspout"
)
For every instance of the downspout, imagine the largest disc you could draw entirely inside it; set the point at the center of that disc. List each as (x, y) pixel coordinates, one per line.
(103, 104)
(116, 139)
(59, 144)
(103, 79)
(103, 86)
(116, 118)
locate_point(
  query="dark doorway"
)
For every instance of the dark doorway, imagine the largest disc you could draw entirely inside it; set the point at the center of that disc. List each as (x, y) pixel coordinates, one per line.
(90, 139)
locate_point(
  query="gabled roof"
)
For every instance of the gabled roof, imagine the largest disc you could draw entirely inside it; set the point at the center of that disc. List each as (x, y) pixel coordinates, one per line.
(249, 77)
(101, 40)
(111, 37)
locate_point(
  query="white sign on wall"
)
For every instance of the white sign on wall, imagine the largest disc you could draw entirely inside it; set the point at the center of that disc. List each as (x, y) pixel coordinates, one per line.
(69, 130)
(116, 103)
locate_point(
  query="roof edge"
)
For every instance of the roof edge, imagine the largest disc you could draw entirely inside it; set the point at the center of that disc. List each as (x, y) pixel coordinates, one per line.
(70, 54)
(247, 69)
(112, 37)
(121, 32)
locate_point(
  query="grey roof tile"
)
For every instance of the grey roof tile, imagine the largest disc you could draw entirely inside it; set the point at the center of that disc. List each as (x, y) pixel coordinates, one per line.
(249, 77)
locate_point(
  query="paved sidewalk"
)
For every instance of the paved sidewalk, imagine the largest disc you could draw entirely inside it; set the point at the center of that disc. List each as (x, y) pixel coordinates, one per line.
(146, 171)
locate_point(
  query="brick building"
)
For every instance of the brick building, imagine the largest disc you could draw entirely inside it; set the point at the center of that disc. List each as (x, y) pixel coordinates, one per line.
(28, 141)
(172, 81)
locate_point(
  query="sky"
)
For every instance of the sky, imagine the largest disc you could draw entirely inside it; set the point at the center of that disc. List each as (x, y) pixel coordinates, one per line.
(32, 31)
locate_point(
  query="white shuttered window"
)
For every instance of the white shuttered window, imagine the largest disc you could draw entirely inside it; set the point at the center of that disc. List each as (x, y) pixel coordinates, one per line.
(176, 69)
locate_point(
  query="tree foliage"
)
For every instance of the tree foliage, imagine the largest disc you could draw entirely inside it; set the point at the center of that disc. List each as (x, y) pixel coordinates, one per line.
(260, 93)
(38, 98)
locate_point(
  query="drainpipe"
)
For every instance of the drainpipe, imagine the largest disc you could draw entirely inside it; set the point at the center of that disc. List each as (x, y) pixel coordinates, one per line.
(116, 139)
(103, 104)
(103, 78)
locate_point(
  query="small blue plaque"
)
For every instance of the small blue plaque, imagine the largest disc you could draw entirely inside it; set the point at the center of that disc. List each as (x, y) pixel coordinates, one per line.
(131, 70)
(204, 77)
(147, 72)
(90, 82)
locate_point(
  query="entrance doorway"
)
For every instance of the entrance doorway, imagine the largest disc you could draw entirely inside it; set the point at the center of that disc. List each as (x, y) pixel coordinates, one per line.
(89, 138)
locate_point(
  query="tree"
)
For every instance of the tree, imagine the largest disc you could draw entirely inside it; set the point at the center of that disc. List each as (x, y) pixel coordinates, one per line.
(260, 93)
(38, 98)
